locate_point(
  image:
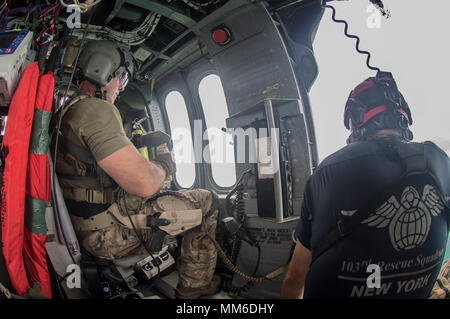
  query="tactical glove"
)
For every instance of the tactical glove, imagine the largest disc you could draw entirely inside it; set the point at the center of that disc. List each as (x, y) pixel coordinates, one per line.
(151, 139)
(166, 161)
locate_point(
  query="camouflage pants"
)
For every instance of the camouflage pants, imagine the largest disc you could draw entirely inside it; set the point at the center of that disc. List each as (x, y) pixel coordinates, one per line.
(442, 286)
(198, 256)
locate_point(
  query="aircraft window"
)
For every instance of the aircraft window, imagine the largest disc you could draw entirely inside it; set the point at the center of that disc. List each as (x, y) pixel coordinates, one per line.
(221, 146)
(182, 138)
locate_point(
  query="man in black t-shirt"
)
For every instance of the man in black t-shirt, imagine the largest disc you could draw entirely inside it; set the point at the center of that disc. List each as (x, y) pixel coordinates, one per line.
(396, 246)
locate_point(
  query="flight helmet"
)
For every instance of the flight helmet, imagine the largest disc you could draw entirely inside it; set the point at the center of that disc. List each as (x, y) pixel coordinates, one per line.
(101, 61)
(377, 104)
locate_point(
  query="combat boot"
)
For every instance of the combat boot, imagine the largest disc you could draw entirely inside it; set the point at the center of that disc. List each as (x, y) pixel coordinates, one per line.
(192, 293)
(198, 255)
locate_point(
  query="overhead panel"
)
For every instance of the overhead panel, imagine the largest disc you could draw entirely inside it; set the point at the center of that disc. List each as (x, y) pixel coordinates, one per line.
(254, 65)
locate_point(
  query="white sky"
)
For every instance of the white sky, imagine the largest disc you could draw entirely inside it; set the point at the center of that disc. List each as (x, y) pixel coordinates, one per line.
(413, 44)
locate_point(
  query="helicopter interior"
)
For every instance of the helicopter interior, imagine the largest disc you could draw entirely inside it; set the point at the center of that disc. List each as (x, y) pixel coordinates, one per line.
(259, 56)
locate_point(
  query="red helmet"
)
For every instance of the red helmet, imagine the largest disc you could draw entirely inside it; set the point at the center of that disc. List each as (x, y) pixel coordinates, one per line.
(377, 104)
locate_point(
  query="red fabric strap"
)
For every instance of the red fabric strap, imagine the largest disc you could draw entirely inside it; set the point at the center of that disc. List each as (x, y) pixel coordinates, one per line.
(373, 112)
(405, 115)
(377, 110)
(363, 86)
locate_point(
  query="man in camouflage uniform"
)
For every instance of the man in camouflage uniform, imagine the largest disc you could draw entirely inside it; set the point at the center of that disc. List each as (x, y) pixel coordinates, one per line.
(107, 183)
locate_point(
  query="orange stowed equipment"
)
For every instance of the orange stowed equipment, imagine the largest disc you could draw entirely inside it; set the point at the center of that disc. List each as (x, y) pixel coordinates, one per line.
(38, 188)
(15, 144)
(26, 182)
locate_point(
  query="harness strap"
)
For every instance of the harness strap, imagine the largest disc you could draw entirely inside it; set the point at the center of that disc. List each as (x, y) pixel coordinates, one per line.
(74, 99)
(89, 195)
(91, 272)
(345, 227)
(415, 163)
(413, 156)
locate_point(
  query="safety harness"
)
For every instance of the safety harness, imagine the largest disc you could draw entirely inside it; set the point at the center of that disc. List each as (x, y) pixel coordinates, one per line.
(415, 166)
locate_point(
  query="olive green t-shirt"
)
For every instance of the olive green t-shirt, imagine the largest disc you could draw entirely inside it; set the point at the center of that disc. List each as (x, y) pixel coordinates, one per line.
(96, 125)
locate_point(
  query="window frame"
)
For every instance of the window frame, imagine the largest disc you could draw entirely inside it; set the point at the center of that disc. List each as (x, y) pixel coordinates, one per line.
(198, 78)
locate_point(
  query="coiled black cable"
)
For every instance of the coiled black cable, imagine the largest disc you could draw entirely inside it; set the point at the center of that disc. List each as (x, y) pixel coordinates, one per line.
(239, 216)
(234, 190)
(352, 36)
(240, 205)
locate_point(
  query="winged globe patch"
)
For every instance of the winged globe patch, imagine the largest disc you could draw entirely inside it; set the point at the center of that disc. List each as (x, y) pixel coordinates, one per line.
(409, 220)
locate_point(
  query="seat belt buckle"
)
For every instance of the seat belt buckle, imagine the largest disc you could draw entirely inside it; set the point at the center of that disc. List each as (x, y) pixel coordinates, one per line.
(343, 230)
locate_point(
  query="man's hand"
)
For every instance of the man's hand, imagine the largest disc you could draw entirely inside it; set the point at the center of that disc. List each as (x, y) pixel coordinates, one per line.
(166, 161)
(151, 139)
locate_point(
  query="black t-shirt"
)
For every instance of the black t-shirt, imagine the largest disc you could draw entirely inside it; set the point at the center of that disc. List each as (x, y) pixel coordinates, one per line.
(405, 237)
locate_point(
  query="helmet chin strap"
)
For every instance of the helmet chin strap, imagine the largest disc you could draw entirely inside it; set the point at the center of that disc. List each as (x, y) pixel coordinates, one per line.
(99, 94)
(105, 95)
(102, 93)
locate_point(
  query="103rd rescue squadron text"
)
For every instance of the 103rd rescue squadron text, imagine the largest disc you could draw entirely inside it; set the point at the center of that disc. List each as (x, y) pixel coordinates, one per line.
(250, 308)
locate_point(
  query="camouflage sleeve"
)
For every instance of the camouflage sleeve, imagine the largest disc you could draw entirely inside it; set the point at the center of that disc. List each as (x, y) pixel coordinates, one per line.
(100, 127)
